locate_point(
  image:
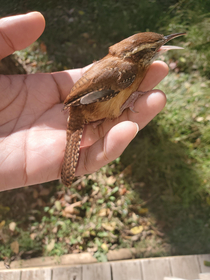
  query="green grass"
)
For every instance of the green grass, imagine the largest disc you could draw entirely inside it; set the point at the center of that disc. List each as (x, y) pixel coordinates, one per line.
(162, 181)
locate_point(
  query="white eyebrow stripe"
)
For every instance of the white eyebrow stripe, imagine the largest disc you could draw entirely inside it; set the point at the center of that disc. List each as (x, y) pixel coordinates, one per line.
(139, 48)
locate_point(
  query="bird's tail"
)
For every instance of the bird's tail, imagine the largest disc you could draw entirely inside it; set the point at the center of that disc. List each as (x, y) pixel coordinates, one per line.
(74, 135)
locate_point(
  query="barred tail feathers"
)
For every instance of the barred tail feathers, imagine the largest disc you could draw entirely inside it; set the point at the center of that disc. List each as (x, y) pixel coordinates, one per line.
(71, 156)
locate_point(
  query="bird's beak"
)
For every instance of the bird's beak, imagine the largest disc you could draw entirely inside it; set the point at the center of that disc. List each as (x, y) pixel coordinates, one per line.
(166, 48)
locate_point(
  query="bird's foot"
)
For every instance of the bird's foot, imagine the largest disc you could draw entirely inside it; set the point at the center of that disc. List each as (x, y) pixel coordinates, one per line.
(130, 102)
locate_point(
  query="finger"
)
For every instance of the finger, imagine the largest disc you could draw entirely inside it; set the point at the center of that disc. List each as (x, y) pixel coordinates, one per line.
(148, 106)
(66, 79)
(106, 149)
(18, 32)
(156, 73)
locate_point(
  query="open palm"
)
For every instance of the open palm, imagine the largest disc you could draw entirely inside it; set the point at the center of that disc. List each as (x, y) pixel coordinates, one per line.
(33, 125)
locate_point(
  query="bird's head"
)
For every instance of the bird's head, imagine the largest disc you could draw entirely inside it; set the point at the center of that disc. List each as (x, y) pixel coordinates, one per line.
(143, 47)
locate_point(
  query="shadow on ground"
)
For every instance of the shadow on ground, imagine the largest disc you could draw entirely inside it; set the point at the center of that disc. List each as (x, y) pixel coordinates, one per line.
(167, 180)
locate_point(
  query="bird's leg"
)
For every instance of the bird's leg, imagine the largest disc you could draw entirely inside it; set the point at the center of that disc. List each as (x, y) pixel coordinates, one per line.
(129, 103)
(97, 123)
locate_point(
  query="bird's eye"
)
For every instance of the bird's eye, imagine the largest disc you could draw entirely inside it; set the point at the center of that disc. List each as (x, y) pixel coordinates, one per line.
(153, 49)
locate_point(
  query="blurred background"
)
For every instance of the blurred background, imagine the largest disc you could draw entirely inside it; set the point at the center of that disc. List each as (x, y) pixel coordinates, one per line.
(156, 196)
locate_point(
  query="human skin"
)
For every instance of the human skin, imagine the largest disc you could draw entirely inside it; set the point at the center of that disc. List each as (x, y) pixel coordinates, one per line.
(33, 125)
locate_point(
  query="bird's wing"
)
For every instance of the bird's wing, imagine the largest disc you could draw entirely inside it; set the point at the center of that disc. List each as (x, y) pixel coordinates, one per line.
(102, 83)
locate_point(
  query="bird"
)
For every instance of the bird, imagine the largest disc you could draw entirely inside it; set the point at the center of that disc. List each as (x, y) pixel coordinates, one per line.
(107, 88)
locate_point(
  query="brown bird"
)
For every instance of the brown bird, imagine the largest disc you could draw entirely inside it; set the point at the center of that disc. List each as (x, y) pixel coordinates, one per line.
(107, 88)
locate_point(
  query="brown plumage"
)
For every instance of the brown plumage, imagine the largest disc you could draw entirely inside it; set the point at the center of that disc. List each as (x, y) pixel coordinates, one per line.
(106, 86)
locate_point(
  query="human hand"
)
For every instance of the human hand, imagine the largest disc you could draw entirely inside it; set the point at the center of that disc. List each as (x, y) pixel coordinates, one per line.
(33, 126)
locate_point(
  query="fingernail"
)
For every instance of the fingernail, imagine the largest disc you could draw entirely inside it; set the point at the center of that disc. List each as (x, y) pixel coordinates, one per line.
(137, 128)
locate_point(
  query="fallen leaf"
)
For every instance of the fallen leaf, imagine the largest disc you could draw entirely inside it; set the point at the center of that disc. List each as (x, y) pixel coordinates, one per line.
(127, 171)
(61, 223)
(2, 224)
(33, 64)
(104, 247)
(122, 191)
(134, 217)
(55, 230)
(12, 226)
(203, 85)
(67, 215)
(127, 237)
(81, 13)
(58, 205)
(40, 202)
(119, 202)
(33, 205)
(109, 226)
(15, 247)
(187, 85)
(135, 237)
(85, 199)
(43, 47)
(173, 65)
(4, 209)
(35, 193)
(86, 35)
(93, 233)
(67, 240)
(199, 119)
(33, 235)
(31, 218)
(143, 211)
(95, 192)
(70, 208)
(67, 198)
(197, 142)
(86, 233)
(104, 212)
(136, 230)
(92, 249)
(91, 225)
(51, 245)
(76, 251)
(44, 192)
(4, 237)
(208, 200)
(111, 180)
(115, 190)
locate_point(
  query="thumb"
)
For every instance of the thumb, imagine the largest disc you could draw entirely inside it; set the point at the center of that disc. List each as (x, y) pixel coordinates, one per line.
(18, 32)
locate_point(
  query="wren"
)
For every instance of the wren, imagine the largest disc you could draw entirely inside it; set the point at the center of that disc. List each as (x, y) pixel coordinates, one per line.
(108, 88)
